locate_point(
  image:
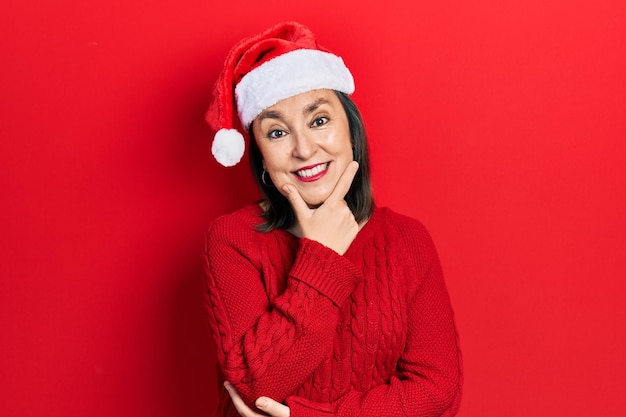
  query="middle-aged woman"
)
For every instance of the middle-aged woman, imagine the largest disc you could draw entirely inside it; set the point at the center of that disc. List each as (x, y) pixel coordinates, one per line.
(320, 303)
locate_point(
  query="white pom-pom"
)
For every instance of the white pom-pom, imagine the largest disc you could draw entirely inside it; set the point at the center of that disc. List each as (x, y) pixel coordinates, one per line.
(228, 147)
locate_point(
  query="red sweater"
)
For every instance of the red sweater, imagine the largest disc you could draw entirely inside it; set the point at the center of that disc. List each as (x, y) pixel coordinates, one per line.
(369, 333)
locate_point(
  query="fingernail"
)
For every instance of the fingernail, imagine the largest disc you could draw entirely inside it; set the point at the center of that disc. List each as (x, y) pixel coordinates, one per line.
(227, 385)
(261, 402)
(287, 189)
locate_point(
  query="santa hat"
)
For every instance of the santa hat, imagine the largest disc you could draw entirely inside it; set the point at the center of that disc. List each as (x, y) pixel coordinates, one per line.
(262, 70)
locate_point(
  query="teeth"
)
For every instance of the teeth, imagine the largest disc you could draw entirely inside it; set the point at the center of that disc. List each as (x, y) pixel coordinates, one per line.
(307, 173)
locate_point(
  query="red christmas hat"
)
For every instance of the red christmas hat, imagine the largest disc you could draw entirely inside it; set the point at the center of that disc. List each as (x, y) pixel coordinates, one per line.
(283, 61)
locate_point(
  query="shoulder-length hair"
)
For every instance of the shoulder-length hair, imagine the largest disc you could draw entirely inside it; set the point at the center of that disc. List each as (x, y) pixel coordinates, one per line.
(278, 212)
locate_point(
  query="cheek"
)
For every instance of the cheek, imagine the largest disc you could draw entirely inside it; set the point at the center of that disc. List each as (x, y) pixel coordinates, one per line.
(343, 141)
(344, 148)
(278, 170)
(272, 160)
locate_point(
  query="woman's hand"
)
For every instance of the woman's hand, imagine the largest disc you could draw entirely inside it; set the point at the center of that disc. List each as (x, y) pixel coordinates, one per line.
(332, 224)
(267, 405)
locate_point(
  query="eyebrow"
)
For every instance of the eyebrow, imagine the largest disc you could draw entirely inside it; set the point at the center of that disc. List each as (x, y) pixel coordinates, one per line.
(313, 106)
(270, 114)
(274, 114)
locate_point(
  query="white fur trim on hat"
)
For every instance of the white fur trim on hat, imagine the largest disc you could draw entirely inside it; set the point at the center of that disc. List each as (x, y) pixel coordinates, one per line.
(228, 147)
(288, 75)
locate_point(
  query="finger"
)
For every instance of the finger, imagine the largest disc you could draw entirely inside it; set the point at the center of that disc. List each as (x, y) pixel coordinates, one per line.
(272, 407)
(300, 207)
(345, 181)
(242, 408)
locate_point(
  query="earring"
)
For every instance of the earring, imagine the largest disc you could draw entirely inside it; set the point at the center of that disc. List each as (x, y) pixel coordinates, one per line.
(263, 178)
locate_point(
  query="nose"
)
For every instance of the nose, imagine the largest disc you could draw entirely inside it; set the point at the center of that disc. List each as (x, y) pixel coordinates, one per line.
(304, 145)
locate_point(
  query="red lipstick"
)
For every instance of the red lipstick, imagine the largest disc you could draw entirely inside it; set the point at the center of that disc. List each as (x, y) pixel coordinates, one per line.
(312, 172)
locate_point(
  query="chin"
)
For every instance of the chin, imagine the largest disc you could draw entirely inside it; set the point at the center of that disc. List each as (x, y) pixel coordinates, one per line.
(315, 198)
(314, 202)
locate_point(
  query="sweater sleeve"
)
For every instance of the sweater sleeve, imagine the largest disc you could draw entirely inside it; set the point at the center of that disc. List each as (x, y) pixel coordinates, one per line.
(269, 346)
(428, 374)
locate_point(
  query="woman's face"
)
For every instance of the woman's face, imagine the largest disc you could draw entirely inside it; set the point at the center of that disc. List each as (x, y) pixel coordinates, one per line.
(305, 141)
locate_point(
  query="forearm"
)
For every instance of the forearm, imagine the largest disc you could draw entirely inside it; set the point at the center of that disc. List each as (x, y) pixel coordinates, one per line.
(398, 398)
(282, 348)
(269, 346)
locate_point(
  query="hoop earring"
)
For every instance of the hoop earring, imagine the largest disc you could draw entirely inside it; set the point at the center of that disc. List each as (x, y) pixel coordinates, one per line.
(263, 179)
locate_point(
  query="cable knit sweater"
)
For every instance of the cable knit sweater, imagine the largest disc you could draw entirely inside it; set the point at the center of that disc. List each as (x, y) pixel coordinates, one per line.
(369, 333)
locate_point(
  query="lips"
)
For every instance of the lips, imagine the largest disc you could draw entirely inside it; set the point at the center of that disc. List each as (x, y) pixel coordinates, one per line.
(312, 172)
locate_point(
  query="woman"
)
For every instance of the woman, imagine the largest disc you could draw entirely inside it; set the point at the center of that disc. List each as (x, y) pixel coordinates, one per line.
(320, 303)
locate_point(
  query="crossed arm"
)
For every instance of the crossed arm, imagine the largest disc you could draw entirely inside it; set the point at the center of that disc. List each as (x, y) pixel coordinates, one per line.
(266, 351)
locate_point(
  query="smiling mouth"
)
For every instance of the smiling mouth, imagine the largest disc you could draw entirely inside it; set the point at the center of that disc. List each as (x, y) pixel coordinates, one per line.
(312, 172)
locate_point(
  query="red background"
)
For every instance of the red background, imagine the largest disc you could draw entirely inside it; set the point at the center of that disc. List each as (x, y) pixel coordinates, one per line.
(500, 124)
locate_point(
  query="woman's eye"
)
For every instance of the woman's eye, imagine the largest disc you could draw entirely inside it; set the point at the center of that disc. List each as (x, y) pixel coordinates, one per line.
(275, 134)
(320, 121)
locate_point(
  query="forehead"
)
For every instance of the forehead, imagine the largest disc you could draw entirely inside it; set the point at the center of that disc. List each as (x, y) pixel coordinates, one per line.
(303, 102)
